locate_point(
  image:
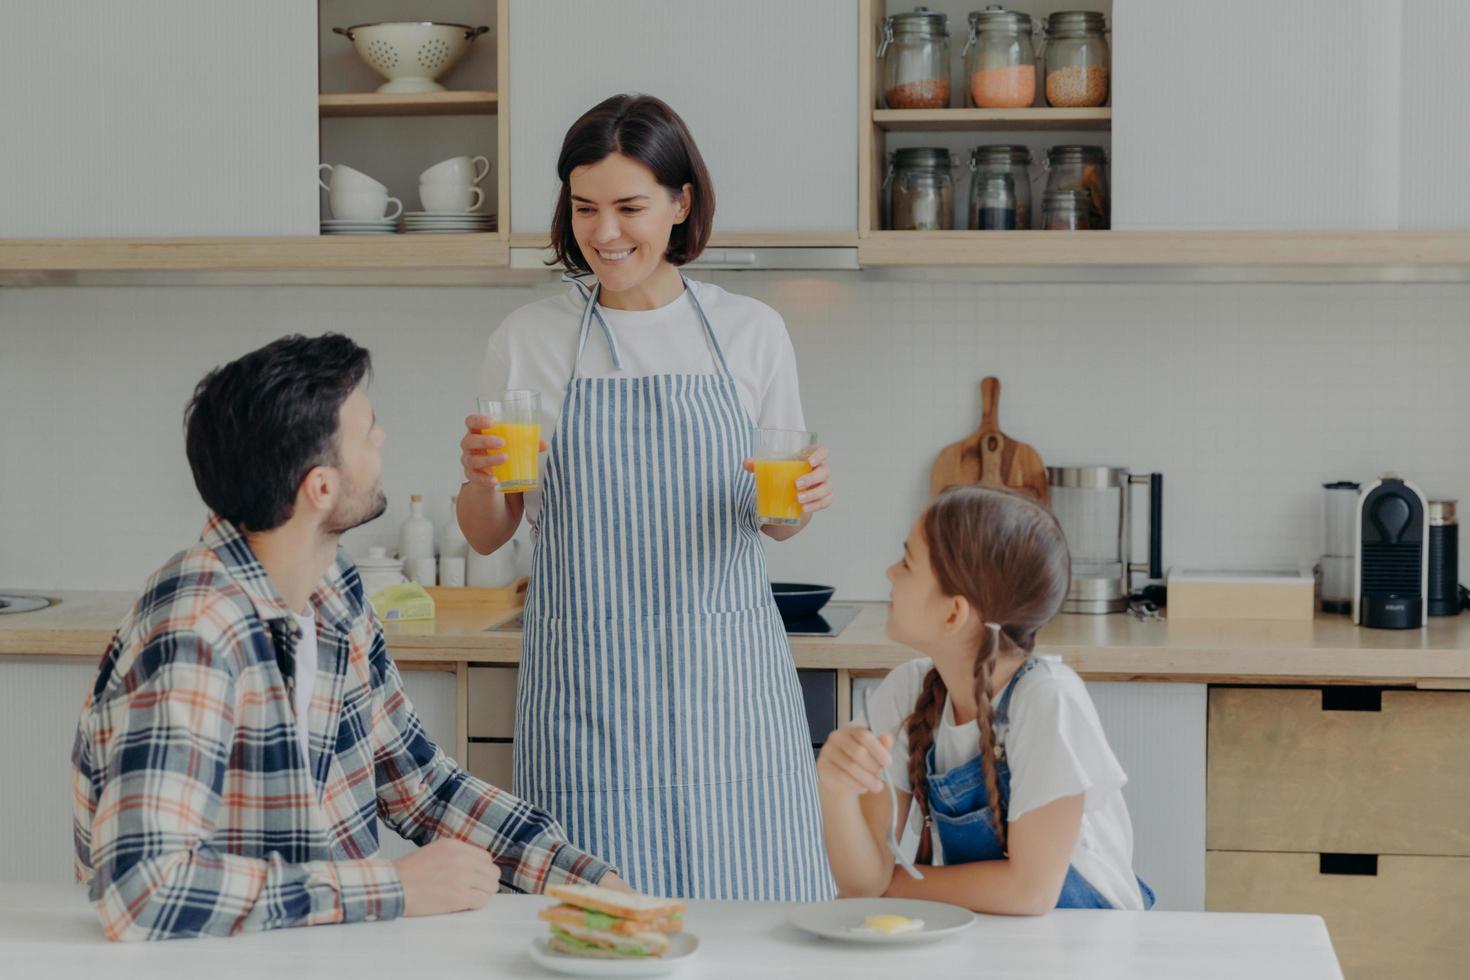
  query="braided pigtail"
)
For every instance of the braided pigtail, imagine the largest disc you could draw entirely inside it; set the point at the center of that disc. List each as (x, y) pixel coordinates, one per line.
(920, 727)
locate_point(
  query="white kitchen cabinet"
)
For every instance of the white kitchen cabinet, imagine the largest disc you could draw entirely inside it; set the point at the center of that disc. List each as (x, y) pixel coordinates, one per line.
(40, 702)
(768, 88)
(171, 118)
(1265, 114)
(1434, 128)
(1158, 733)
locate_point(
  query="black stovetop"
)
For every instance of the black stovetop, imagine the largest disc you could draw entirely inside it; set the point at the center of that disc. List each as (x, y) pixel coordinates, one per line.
(830, 621)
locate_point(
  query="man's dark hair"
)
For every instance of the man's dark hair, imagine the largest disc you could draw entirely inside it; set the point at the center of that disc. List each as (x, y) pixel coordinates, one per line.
(645, 129)
(256, 426)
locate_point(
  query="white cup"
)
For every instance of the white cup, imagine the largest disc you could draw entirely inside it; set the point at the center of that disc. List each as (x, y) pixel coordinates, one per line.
(363, 205)
(344, 178)
(456, 170)
(421, 570)
(451, 570)
(450, 197)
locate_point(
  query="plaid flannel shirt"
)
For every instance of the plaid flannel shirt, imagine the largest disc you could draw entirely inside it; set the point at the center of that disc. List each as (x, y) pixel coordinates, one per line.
(195, 813)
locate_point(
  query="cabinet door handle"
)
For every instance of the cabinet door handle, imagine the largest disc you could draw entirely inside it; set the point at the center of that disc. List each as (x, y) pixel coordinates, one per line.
(1352, 698)
(1361, 865)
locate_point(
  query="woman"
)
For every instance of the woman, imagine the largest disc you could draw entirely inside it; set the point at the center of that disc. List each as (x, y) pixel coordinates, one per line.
(659, 714)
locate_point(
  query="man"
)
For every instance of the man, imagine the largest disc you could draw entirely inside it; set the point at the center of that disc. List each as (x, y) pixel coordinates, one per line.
(247, 725)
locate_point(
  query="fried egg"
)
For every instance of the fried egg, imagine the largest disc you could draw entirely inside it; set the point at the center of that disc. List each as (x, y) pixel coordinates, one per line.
(890, 925)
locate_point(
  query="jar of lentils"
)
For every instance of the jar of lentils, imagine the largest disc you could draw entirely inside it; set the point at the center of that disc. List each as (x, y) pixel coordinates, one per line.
(914, 54)
(920, 189)
(1078, 64)
(1000, 60)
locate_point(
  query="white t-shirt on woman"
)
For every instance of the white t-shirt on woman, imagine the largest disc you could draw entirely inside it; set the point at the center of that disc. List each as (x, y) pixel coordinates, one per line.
(535, 347)
(1055, 748)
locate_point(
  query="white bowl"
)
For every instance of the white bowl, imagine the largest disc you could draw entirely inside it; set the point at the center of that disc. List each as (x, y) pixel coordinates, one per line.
(411, 54)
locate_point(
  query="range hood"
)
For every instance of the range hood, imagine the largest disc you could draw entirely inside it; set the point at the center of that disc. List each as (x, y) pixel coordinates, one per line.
(824, 258)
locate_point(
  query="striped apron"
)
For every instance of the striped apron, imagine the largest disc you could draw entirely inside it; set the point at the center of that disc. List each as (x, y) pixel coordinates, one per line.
(659, 716)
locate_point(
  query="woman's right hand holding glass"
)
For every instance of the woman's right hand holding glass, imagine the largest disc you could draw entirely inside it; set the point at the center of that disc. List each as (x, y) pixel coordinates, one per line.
(480, 453)
(852, 760)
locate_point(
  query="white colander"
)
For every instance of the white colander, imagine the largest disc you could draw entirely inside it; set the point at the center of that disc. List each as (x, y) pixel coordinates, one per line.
(410, 54)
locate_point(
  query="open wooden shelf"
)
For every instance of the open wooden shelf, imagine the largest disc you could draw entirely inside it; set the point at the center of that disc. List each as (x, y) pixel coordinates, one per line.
(945, 120)
(306, 259)
(412, 104)
(1259, 250)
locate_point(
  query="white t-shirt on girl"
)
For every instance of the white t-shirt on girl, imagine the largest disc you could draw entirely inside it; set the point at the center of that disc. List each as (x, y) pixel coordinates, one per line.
(535, 347)
(1055, 747)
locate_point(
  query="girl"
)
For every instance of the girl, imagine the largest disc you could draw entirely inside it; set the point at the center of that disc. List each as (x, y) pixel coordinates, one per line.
(998, 757)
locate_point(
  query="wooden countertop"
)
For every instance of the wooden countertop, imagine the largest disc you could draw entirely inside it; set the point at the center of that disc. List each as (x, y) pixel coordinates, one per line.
(1327, 650)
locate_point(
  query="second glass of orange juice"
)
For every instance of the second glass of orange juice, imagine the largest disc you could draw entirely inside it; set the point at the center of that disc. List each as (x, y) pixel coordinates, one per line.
(516, 418)
(780, 460)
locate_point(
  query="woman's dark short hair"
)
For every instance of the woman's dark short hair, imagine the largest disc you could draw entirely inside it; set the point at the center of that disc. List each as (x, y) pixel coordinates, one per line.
(256, 426)
(645, 129)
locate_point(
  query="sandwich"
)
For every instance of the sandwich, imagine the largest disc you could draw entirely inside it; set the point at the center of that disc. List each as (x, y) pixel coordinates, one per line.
(600, 923)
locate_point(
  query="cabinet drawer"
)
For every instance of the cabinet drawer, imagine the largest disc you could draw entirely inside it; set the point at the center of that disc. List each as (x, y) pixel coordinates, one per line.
(491, 761)
(1407, 920)
(1322, 770)
(492, 702)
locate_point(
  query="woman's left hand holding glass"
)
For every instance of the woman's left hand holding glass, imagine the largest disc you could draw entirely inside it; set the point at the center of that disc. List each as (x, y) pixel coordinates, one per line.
(814, 491)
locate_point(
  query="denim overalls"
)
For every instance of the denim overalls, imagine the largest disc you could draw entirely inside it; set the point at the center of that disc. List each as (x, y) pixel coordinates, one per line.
(960, 809)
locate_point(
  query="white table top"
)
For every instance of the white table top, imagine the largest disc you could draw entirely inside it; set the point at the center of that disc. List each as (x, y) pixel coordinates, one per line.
(51, 931)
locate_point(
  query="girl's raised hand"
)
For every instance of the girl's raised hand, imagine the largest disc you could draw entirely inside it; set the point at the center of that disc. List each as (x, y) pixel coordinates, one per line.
(852, 760)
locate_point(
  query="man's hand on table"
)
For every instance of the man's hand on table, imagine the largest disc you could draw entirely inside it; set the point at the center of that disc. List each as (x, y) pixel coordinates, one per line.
(447, 876)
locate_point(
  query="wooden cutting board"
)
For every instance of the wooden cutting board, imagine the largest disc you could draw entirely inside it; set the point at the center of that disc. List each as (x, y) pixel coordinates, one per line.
(990, 456)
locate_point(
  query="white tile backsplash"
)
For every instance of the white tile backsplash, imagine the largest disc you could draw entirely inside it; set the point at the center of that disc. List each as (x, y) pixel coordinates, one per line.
(1247, 398)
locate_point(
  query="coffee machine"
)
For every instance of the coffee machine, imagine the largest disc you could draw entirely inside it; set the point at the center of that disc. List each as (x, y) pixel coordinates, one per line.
(1391, 575)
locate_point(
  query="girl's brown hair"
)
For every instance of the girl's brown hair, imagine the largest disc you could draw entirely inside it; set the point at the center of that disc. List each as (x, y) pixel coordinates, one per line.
(1006, 556)
(645, 129)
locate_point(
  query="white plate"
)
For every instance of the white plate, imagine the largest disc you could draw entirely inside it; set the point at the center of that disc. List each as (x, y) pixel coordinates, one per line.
(388, 225)
(445, 221)
(682, 947)
(446, 214)
(841, 920)
(359, 231)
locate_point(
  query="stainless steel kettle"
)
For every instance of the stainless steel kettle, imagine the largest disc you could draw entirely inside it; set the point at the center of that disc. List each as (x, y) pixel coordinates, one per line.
(1092, 503)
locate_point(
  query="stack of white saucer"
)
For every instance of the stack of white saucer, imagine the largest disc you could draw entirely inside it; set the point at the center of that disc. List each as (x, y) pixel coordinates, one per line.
(450, 196)
(447, 222)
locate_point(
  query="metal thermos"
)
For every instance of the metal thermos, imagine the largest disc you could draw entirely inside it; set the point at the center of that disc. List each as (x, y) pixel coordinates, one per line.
(1444, 559)
(1340, 508)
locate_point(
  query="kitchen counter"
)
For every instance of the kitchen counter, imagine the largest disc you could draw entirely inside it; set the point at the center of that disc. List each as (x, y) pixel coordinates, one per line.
(52, 931)
(1328, 650)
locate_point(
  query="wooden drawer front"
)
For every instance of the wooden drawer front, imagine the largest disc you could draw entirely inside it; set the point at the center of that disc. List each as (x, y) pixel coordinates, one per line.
(1408, 920)
(1287, 775)
(491, 762)
(492, 707)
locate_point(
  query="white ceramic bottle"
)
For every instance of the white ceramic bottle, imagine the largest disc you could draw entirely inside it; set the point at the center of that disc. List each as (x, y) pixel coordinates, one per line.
(416, 537)
(452, 548)
(451, 540)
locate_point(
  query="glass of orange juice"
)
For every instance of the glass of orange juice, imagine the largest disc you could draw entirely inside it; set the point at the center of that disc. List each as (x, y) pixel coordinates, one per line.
(780, 460)
(516, 418)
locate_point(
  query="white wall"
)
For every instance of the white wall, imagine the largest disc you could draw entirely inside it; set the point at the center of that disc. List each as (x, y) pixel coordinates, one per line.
(1247, 397)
